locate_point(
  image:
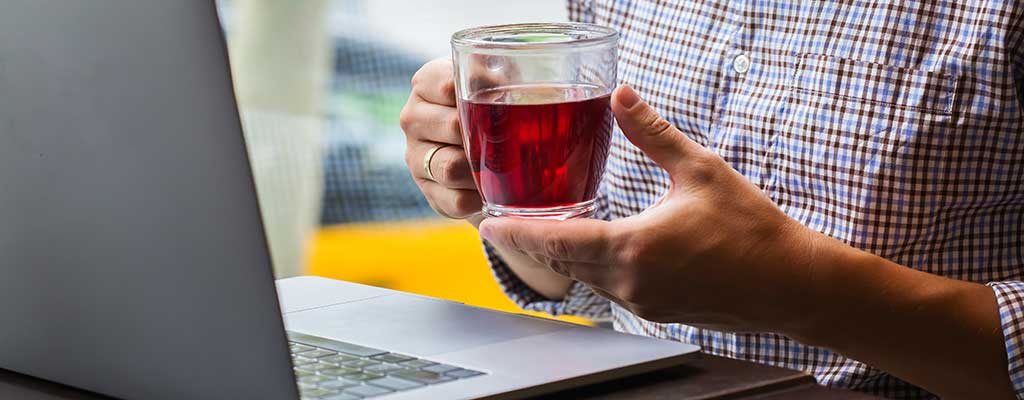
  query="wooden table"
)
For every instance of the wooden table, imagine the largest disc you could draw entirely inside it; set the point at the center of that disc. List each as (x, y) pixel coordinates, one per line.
(709, 377)
(712, 377)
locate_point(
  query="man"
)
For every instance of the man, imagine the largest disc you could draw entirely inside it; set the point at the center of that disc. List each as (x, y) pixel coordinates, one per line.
(836, 187)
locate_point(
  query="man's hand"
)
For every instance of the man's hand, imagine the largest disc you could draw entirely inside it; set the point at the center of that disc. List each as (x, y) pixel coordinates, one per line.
(429, 120)
(715, 251)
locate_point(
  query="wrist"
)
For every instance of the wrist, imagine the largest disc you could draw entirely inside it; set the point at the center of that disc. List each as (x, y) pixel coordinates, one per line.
(851, 292)
(822, 287)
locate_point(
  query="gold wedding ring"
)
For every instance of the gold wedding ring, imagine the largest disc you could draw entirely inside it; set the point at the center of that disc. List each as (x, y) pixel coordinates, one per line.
(430, 156)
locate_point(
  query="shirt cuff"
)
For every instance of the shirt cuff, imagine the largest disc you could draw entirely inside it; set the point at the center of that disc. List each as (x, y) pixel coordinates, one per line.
(1010, 296)
(580, 300)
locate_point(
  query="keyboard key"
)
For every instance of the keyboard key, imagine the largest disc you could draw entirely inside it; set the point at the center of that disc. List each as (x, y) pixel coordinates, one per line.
(367, 391)
(297, 361)
(462, 373)
(317, 353)
(340, 371)
(440, 368)
(338, 358)
(342, 396)
(318, 366)
(362, 377)
(338, 384)
(307, 385)
(425, 377)
(395, 384)
(392, 358)
(301, 372)
(417, 364)
(382, 368)
(296, 348)
(347, 348)
(360, 363)
(315, 393)
(314, 378)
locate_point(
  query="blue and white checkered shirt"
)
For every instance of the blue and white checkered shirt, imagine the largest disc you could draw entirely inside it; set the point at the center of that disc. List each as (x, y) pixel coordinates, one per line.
(894, 126)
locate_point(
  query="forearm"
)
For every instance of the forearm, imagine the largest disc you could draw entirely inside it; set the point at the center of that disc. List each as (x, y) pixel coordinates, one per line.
(538, 277)
(938, 333)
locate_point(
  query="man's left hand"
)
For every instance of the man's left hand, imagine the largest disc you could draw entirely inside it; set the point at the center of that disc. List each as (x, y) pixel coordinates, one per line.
(713, 252)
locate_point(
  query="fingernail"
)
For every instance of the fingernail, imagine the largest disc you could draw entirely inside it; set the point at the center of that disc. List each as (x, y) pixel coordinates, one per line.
(628, 97)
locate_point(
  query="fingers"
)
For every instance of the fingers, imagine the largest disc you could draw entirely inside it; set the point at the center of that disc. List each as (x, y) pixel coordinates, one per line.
(579, 240)
(582, 249)
(656, 137)
(609, 296)
(451, 203)
(424, 121)
(435, 82)
(593, 275)
(429, 120)
(449, 165)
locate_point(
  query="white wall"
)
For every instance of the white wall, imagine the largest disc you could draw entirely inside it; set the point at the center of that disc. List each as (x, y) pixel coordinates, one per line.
(424, 27)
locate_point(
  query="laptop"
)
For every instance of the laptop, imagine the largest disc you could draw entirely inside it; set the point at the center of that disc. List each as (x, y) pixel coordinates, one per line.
(134, 262)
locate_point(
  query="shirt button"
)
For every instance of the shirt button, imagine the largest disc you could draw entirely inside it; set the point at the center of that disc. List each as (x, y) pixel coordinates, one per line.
(741, 63)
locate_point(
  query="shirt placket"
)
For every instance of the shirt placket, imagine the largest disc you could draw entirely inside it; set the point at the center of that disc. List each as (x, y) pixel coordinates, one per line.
(735, 63)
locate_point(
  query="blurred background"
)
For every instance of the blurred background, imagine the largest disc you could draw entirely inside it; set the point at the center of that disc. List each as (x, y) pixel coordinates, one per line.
(320, 84)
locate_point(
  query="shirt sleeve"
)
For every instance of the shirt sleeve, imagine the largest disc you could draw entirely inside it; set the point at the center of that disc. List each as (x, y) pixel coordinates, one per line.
(580, 300)
(1010, 296)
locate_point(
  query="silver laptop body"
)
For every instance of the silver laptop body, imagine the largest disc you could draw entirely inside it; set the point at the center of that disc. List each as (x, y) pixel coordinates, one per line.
(134, 262)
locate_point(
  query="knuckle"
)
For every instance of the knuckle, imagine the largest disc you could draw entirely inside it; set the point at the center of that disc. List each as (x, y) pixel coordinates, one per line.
(650, 118)
(427, 69)
(513, 240)
(557, 247)
(406, 119)
(465, 203)
(448, 170)
(633, 253)
(660, 128)
(447, 88)
(454, 126)
(559, 267)
(460, 172)
(417, 77)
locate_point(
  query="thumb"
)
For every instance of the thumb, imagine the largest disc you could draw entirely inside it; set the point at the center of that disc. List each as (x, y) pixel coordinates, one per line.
(656, 137)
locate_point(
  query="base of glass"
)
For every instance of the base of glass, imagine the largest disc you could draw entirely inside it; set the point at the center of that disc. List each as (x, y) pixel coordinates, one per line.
(578, 210)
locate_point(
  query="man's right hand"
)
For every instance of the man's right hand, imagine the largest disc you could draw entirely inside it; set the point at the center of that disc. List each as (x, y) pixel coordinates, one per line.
(429, 120)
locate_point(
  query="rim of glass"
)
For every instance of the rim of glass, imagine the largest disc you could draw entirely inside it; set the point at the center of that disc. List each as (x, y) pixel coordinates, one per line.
(582, 34)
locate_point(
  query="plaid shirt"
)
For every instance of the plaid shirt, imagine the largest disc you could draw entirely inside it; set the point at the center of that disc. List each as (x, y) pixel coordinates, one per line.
(894, 126)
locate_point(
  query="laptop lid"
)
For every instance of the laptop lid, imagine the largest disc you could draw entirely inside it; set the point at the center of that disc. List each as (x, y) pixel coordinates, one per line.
(133, 261)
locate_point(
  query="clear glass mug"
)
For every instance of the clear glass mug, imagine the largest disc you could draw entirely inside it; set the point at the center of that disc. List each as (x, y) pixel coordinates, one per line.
(534, 104)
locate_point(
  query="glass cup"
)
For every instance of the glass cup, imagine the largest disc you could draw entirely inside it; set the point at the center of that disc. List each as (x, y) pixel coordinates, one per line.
(534, 104)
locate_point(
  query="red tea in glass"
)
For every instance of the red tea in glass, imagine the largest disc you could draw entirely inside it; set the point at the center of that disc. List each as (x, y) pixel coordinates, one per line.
(537, 147)
(534, 104)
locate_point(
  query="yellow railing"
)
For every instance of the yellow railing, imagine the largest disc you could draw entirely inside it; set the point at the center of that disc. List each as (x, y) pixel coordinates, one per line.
(436, 258)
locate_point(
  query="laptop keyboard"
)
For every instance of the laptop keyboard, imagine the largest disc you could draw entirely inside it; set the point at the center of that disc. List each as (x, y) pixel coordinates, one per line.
(329, 369)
